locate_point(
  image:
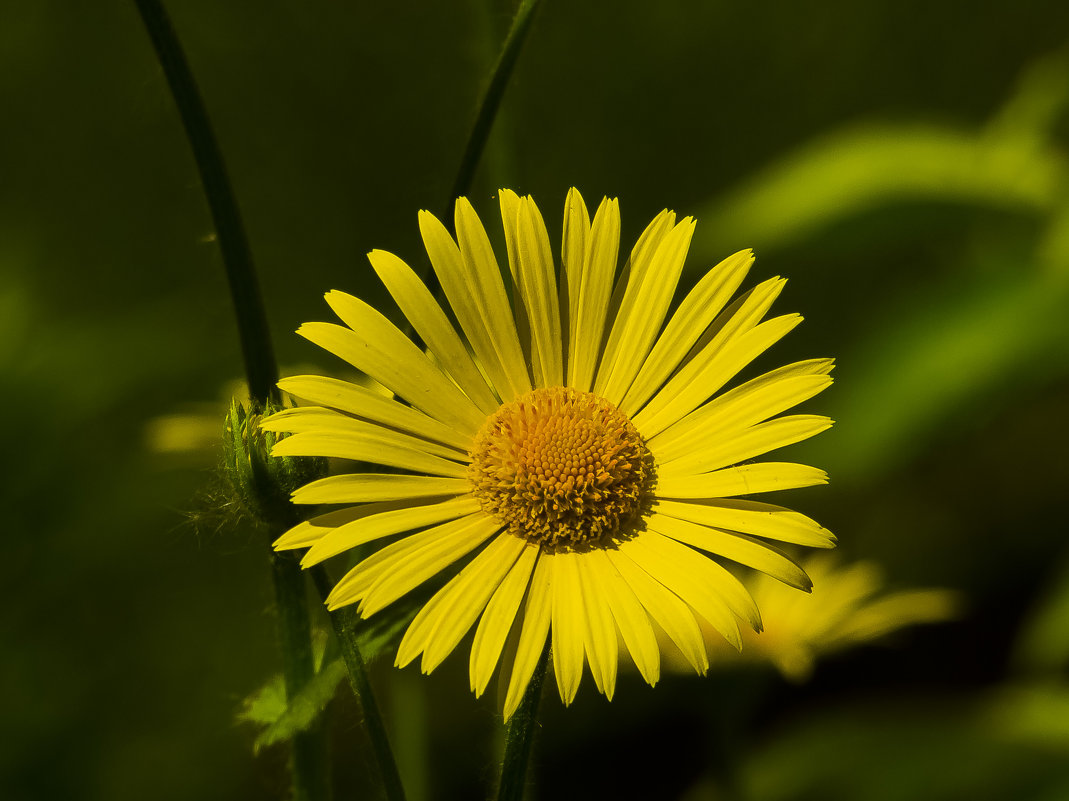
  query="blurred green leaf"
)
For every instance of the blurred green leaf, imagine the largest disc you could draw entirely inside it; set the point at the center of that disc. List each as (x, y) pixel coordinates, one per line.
(1006, 164)
(1043, 643)
(857, 169)
(267, 704)
(1033, 714)
(915, 371)
(280, 719)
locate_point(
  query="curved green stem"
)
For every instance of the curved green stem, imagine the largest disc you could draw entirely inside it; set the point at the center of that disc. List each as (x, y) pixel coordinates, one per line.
(520, 734)
(491, 101)
(484, 119)
(310, 778)
(345, 621)
(255, 336)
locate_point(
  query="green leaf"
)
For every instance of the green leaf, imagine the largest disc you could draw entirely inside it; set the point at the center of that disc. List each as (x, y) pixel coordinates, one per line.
(281, 719)
(267, 704)
(1042, 645)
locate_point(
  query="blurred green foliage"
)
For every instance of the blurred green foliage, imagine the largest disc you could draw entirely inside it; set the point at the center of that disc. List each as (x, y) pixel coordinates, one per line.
(903, 163)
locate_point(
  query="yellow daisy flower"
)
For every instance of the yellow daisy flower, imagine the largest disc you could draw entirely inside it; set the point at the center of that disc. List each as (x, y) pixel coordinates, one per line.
(568, 446)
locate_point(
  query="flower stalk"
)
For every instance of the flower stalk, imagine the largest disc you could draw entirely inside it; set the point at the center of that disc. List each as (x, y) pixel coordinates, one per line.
(308, 756)
(345, 622)
(520, 734)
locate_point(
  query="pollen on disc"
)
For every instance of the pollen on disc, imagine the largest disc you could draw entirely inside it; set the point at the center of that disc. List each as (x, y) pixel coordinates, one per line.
(560, 467)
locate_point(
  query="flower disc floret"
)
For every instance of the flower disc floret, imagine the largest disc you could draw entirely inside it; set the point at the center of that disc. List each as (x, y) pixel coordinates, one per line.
(561, 468)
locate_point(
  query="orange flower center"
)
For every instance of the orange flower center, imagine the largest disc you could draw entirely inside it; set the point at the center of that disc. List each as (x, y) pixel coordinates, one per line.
(561, 468)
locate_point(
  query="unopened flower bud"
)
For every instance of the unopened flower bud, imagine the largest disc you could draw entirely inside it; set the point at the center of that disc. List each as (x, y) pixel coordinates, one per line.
(262, 484)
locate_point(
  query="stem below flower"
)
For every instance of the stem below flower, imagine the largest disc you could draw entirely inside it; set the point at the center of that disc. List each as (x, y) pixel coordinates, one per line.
(520, 734)
(309, 754)
(345, 621)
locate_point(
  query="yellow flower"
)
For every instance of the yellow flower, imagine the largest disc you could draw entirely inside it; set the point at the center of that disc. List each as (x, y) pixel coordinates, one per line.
(567, 446)
(850, 606)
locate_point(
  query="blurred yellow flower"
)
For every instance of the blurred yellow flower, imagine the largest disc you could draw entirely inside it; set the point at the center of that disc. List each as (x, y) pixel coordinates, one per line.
(570, 440)
(848, 607)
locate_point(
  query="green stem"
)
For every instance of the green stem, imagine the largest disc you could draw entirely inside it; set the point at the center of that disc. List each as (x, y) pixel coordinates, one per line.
(491, 101)
(484, 119)
(409, 716)
(345, 622)
(255, 336)
(519, 735)
(309, 753)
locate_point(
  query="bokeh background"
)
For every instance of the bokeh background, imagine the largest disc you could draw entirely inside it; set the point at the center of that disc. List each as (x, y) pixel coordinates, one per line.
(903, 163)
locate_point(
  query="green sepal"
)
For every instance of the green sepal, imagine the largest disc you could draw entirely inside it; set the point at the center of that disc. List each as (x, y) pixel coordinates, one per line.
(262, 484)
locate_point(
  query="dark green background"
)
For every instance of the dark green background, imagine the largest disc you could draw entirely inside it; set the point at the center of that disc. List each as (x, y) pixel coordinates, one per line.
(130, 635)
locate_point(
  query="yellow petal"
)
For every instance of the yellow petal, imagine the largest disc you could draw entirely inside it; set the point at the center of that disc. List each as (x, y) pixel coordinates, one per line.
(599, 632)
(356, 400)
(652, 300)
(738, 318)
(748, 404)
(477, 297)
(536, 619)
(367, 487)
(496, 622)
(753, 518)
(630, 617)
(355, 584)
(623, 302)
(747, 479)
(592, 300)
(425, 563)
(665, 607)
(568, 624)
(304, 419)
(446, 618)
(574, 245)
(368, 446)
(488, 290)
(509, 202)
(309, 532)
(409, 564)
(707, 373)
(385, 523)
(388, 356)
(737, 547)
(692, 577)
(430, 323)
(734, 321)
(538, 292)
(695, 314)
(747, 444)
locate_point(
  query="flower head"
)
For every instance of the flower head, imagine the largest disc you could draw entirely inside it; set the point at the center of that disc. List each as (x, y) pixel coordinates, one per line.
(569, 448)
